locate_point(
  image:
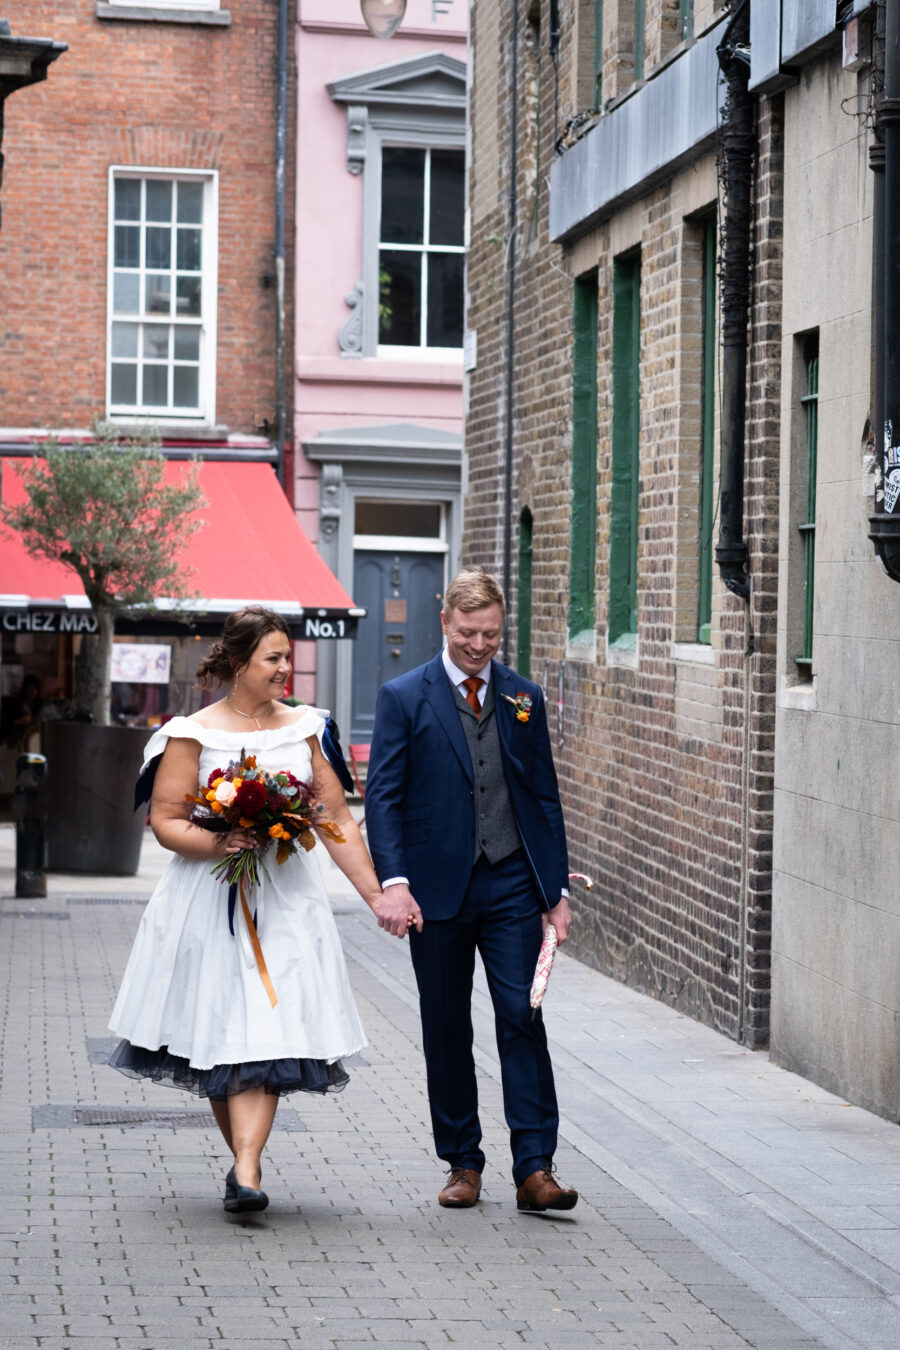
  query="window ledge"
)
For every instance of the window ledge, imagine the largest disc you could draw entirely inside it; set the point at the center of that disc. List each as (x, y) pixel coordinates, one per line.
(169, 428)
(800, 696)
(378, 370)
(623, 651)
(693, 653)
(218, 18)
(582, 646)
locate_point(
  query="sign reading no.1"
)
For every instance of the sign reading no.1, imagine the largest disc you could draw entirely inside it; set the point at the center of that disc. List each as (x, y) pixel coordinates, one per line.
(324, 628)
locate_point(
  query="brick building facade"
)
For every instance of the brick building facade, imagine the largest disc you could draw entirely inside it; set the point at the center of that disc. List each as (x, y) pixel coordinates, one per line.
(725, 672)
(664, 680)
(168, 94)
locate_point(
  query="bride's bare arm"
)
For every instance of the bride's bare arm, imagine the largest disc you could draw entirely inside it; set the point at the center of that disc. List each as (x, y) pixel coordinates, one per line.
(177, 776)
(352, 856)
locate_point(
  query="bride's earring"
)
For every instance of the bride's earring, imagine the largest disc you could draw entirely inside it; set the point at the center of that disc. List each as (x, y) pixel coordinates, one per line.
(234, 686)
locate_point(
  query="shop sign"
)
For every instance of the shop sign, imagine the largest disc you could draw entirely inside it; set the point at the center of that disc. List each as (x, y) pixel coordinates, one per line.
(327, 628)
(48, 621)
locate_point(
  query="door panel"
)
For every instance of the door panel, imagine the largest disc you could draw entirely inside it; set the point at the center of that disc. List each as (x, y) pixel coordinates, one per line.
(402, 593)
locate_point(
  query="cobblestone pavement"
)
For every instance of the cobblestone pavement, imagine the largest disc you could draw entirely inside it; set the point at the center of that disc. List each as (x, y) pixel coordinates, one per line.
(725, 1203)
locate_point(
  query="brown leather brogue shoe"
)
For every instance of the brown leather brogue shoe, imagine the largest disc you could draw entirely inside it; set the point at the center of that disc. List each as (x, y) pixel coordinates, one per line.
(462, 1189)
(540, 1191)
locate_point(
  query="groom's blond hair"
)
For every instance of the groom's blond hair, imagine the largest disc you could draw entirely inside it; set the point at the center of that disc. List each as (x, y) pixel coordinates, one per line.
(471, 590)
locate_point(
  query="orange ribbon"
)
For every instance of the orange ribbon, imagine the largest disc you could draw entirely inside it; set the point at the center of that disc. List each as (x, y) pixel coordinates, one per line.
(257, 949)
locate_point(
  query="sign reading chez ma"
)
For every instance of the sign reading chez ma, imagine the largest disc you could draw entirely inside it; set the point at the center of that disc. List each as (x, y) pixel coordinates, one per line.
(48, 621)
(83, 621)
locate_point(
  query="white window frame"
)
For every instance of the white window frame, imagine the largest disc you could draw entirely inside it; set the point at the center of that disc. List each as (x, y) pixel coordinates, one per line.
(403, 543)
(205, 413)
(422, 350)
(416, 103)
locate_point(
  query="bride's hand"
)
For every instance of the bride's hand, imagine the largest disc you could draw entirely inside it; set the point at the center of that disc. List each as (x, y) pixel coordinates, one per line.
(236, 840)
(397, 911)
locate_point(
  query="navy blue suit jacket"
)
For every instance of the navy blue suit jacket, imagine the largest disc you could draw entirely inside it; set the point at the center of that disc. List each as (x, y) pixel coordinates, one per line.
(420, 808)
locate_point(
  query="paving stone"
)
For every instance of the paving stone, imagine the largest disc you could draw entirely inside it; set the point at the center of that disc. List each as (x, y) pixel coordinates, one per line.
(713, 1201)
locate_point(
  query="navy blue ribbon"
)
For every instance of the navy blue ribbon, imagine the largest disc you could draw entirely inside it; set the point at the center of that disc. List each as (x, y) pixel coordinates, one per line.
(331, 744)
(143, 788)
(232, 901)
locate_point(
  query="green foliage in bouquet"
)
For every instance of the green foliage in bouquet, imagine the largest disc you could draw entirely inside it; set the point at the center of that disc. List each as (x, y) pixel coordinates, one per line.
(104, 511)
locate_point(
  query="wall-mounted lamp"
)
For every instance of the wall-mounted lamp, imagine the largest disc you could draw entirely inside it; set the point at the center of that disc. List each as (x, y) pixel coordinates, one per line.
(383, 17)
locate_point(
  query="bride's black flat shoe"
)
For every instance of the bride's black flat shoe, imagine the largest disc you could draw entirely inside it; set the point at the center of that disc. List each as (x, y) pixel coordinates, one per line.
(243, 1199)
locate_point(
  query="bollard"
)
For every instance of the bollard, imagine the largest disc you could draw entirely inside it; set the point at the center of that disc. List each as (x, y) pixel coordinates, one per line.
(29, 810)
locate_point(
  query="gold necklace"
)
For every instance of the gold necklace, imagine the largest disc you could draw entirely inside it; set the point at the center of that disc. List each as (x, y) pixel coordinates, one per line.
(252, 716)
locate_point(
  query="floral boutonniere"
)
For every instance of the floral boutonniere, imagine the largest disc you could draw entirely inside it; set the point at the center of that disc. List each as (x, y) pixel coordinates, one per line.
(522, 705)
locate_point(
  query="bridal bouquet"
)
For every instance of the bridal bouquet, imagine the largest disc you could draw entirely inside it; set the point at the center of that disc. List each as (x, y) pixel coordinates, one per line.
(275, 807)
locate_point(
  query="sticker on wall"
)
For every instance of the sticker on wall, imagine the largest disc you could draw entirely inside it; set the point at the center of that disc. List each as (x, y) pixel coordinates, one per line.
(891, 489)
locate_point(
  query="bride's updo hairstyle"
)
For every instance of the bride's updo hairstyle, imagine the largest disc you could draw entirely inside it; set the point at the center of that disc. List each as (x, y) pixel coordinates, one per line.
(241, 635)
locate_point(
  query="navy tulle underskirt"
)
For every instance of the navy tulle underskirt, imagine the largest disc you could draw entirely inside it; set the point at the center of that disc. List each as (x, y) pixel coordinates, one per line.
(277, 1076)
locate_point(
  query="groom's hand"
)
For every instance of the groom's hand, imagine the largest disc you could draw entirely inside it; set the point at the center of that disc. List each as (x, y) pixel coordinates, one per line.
(398, 911)
(561, 918)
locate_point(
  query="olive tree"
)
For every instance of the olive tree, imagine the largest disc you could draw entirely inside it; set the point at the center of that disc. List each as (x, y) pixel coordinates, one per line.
(104, 511)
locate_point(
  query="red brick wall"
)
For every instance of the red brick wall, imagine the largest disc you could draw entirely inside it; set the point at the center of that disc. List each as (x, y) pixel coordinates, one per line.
(135, 93)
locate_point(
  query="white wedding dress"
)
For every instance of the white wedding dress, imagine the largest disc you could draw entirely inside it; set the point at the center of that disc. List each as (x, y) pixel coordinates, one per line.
(192, 1009)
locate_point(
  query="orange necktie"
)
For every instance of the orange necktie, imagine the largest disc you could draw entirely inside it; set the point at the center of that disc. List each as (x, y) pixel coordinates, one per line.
(472, 685)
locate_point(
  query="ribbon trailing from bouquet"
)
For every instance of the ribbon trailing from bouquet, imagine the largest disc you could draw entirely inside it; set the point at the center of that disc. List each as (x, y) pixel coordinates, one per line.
(256, 948)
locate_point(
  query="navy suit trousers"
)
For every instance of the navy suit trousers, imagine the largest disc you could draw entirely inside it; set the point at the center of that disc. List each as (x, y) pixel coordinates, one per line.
(500, 917)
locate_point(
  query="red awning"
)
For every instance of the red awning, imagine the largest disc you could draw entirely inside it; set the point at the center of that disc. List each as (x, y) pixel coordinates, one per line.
(251, 550)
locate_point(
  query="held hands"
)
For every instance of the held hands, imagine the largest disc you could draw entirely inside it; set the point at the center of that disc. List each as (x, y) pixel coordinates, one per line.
(561, 918)
(397, 911)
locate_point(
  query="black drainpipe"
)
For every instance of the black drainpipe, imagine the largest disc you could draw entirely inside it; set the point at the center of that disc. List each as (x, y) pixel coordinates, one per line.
(280, 171)
(737, 149)
(884, 525)
(511, 314)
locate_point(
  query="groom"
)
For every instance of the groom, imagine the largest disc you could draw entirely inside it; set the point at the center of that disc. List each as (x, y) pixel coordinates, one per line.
(466, 831)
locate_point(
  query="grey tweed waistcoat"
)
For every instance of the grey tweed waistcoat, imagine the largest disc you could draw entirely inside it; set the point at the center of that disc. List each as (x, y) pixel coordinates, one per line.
(496, 832)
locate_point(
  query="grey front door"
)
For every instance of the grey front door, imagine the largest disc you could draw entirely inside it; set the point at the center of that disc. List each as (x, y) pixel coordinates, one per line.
(402, 593)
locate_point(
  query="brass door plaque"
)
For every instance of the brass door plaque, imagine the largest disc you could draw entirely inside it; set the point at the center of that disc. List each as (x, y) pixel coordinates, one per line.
(395, 611)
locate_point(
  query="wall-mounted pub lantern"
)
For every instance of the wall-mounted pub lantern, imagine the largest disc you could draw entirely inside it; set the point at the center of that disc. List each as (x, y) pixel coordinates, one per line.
(23, 61)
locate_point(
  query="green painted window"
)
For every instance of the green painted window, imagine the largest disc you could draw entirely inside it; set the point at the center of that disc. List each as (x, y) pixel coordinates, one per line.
(626, 356)
(582, 558)
(598, 54)
(687, 19)
(708, 428)
(523, 633)
(810, 403)
(639, 39)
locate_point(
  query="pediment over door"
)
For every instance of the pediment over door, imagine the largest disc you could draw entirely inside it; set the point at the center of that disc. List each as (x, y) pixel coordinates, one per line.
(430, 80)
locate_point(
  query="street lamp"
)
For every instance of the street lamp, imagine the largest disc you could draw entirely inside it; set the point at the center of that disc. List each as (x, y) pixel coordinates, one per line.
(383, 17)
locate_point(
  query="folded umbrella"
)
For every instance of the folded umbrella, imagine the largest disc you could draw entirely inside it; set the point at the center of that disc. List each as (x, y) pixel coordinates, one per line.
(548, 951)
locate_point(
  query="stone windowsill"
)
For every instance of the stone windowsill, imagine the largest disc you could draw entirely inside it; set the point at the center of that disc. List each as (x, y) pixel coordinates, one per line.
(582, 646)
(623, 651)
(162, 13)
(800, 695)
(693, 653)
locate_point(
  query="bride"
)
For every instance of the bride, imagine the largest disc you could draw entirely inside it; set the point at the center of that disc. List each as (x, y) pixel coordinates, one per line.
(195, 1006)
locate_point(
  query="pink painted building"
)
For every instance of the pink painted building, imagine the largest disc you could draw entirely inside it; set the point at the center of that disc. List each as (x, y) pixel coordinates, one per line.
(378, 322)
